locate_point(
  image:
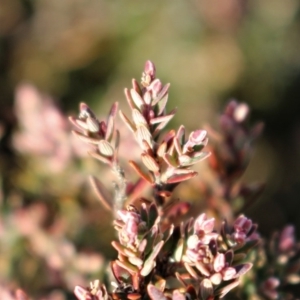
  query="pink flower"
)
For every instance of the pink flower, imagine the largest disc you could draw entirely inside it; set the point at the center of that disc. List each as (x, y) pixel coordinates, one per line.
(243, 228)
(203, 228)
(287, 239)
(223, 268)
(129, 233)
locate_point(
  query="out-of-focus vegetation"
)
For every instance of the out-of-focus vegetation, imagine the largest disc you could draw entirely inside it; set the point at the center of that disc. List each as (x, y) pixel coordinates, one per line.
(52, 230)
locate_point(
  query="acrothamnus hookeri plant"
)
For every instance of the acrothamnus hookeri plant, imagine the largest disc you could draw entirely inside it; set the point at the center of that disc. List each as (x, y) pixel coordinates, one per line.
(161, 255)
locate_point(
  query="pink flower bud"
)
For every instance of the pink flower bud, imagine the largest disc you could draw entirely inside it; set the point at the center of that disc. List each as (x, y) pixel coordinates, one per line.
(287, 239)
(150, 69)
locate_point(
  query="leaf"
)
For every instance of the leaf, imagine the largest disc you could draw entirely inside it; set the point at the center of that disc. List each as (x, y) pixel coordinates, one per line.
(137, 99)
(135, 86)
(170, 160)
(161, 94)
(128, 98)
(163, 124)
(178, 296)
(242, 269)
(138, 118)
(105, 148)
(101, 192)
(128, 123)
(181, 177)
(100, 157)
(147, 176)
(154, 293)
(150, 261)
(206, 289)
(85, 138)
(110, 128)
(150, 163)
(113, 110)
(121, 275)
(127, 266)
(226, 289)
(152, 215)
(191, 271)
(186, 160)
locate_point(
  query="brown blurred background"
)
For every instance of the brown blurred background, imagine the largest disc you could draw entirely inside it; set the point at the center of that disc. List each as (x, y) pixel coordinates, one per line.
(88, 50)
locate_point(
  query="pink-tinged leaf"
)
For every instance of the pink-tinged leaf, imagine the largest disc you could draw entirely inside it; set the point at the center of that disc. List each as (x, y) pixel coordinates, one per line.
(228, 273)
(147, 97)
(163, 119)
(180, 248)
(78, 123)
(127, 266)
(181, 135)
(147, 268)
(105, 148)
(161, 284)
(161, 94)
(101, 192)
(186, 160)
(135, 86)
(154, 293)
(180, 279)
(225, 290)
(150, 263)
(138, 118)
(170, 160)
(114, 110)
(137, 99)
(85, 138)
(162, 125)
(104, 159)
(119, 273)
(128, 123)
(155, 87)
(162, 149)
(120, 248)
(147, 176)
(92, 124)
(191, 271)
(110, 128)
(206, 289)
(181, 177)
(128, 98)
(117, 140)
(168, 137)
(162, 105)
(85, 111)
(242, 269)
(150, 163)
(178, 296)
(202, 268)
(142, 133)
(147, 148)
(136, 261)
(178, 147)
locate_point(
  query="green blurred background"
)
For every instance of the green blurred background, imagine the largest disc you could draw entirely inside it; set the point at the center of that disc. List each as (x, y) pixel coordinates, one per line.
(88, 50)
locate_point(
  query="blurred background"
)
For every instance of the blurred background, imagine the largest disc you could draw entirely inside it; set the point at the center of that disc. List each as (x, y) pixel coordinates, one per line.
(54, 54)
